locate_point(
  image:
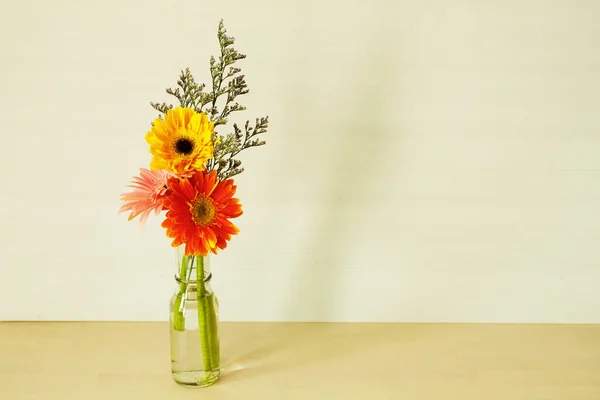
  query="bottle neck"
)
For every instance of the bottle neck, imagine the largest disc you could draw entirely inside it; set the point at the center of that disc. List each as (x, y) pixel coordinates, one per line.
(193, 270)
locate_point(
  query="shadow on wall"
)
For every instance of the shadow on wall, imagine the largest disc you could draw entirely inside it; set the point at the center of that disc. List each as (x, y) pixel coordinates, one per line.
(358, 137)
(351, 167)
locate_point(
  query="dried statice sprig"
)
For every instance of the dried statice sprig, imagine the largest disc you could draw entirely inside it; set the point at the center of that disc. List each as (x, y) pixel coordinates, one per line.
(189, 93)
(236, 85)
(226, 81)
(229, 146)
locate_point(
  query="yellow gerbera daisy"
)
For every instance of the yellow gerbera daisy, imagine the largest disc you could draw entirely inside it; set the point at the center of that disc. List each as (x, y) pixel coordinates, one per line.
(182, 142)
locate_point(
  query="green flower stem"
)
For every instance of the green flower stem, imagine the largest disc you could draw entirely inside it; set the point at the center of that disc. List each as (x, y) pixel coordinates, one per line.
(178, 315)
(214, 331)
(203, 317)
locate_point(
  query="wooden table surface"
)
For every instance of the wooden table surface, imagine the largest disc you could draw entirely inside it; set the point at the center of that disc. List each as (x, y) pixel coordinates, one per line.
(287, 361)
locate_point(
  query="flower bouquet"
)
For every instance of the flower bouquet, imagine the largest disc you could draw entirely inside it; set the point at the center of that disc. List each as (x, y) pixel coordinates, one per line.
(190, 179)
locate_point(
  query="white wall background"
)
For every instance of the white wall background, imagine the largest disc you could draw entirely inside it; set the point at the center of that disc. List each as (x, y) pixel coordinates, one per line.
(426, 161)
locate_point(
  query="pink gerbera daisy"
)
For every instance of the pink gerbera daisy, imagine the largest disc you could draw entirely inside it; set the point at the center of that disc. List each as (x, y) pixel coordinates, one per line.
(148, 191)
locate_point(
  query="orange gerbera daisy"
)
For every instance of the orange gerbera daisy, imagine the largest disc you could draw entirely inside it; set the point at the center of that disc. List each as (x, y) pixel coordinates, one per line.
(199, 209)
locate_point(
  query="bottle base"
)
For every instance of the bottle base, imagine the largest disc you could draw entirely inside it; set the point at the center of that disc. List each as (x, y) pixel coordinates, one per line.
(196, 379)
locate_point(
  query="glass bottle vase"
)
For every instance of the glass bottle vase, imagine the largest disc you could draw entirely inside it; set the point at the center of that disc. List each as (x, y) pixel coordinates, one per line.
(194, 323)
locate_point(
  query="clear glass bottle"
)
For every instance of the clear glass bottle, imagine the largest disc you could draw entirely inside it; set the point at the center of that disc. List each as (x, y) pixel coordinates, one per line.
(194, 323)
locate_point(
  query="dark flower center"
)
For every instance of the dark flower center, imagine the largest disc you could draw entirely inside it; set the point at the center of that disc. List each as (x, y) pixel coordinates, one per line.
(203, 210)
(184, 146)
